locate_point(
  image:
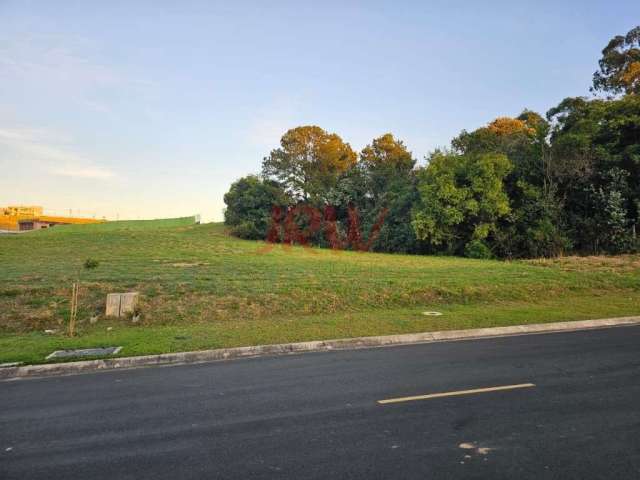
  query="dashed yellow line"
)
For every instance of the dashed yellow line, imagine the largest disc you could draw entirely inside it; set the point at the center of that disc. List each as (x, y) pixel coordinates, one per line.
(455, 394)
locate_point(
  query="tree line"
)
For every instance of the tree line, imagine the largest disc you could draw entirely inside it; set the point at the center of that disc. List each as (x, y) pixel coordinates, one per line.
(524, 186)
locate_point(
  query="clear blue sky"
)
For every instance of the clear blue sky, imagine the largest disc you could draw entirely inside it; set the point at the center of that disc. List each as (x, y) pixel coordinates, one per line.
(151, 109)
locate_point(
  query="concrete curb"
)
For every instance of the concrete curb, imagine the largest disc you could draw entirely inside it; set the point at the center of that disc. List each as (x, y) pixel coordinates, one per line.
(313, 346)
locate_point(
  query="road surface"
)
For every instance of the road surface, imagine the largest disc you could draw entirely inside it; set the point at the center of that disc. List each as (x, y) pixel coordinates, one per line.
(318, 415)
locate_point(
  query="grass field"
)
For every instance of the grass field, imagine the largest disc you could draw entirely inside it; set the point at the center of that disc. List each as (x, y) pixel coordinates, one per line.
(203, 289)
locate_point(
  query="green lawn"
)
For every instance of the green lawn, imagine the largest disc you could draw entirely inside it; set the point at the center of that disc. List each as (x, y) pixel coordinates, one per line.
(203, 289)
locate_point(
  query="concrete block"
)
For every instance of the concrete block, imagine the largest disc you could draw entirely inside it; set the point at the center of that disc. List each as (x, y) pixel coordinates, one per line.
(113, 305)
(120, 304)
(128, 302)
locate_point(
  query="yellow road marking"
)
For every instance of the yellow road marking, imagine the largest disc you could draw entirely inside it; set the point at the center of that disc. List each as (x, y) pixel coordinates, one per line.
(454, 394)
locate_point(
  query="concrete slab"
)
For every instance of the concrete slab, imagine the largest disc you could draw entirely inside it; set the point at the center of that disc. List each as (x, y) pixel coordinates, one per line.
(128, 302)
(120, 304)
(113, 304)
(85, 352)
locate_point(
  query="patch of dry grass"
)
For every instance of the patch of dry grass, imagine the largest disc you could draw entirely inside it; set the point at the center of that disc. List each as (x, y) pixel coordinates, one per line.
(601, 263)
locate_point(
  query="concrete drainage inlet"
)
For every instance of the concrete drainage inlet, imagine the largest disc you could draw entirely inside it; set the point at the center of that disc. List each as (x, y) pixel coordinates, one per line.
(86, 352)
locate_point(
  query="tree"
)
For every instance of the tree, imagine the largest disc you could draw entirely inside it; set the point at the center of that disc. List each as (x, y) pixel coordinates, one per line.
(575, 123)
(249, 204)
(397, 202)
(522, 139)
(308, 163)
(462, 197)
(620, 65)
(391, 186)
(522, 186)
(499, 135)
(385, 152)
(596, 156)
(532, 228)
(381, 187)
(609, 214)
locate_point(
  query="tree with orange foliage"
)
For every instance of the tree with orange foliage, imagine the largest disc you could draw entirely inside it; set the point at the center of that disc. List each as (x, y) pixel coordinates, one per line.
(620, 65)
(308, 162)
(387, 152)
(505, 126)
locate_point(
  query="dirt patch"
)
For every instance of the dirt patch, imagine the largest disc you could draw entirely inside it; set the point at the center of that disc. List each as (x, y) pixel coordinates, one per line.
(620, 263)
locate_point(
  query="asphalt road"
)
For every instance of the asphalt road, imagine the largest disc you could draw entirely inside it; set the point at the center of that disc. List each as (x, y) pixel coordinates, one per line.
(317, 416)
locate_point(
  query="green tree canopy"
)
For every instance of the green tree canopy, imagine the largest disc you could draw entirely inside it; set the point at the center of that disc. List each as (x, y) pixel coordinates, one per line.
(532, 228)
(462, 197)
(522, 139)
(249, 203)
(596, 164)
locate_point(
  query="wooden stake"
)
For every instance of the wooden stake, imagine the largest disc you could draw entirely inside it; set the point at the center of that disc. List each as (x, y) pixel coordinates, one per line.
(74, 310)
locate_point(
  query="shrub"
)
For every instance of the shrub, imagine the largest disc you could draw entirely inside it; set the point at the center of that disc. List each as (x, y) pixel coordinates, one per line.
(91, 263)
(477, 249)
(248, 230)
(249, 202)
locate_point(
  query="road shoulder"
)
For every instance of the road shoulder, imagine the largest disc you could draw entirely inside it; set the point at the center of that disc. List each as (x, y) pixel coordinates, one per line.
(180, 358)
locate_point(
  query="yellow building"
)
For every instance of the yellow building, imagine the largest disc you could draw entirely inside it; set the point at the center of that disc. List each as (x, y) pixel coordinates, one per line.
(20, 218)
(21, 211)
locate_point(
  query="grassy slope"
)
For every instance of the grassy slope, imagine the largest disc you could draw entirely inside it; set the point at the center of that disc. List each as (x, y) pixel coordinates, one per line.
(203, 289)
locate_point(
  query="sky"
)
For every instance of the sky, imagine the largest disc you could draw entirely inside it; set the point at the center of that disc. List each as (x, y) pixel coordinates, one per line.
(151, 109)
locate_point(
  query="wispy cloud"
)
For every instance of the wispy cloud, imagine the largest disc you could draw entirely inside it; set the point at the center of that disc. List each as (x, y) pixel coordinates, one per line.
(51, 151)
(63, 62)
(69, 67)
(84, 172)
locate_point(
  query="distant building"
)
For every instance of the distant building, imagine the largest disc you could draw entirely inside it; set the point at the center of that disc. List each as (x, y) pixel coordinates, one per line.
(21, 211)
(24, 225)
(25, 218)
(46, 221)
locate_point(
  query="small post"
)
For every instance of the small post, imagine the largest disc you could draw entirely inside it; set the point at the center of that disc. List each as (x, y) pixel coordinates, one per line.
(74, 310)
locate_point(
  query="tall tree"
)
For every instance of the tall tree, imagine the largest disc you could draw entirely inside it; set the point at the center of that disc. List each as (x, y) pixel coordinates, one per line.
(308, 163)
(381, 188)
(532, 228)
(620, 65)
(387, 152)
(391, 185)
(596, 163)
